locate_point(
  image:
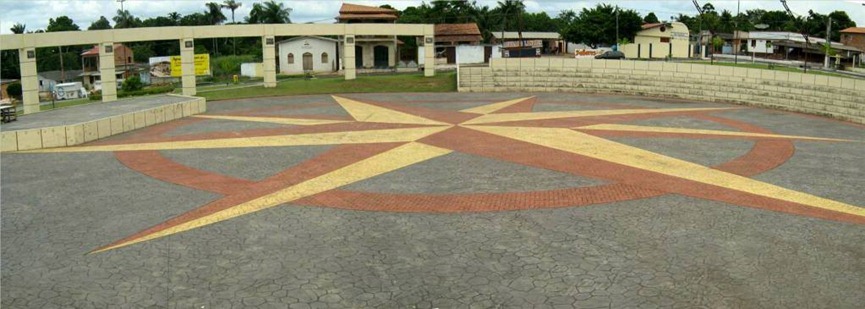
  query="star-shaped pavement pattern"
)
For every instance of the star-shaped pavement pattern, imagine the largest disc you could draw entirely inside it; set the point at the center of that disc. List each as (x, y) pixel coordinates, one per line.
(380, 138)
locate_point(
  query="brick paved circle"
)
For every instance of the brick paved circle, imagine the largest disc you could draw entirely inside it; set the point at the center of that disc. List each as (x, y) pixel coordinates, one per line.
(408, 201)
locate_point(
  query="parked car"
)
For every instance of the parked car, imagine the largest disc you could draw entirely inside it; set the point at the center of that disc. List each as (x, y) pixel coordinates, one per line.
(611, 54)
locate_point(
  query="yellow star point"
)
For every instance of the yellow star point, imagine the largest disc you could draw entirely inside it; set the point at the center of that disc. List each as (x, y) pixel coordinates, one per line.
(364, 112)
(606, 150)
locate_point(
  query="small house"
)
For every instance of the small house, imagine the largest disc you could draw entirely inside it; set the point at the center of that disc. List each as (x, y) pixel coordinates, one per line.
(308, 54)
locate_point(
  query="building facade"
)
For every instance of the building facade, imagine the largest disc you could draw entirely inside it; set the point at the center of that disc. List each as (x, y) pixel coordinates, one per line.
(854, 36)
(308, 54)
(458, 44)
(660, 40)
(123, 64)
(371, 51)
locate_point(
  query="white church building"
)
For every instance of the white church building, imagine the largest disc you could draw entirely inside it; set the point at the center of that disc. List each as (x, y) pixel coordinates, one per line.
(308, 54)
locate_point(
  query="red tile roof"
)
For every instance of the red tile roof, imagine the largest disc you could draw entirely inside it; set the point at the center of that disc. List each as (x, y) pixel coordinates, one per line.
(348, 8)
(860, 30)
(457, 29)
(649, 26)
(366, 16)
(95, 50)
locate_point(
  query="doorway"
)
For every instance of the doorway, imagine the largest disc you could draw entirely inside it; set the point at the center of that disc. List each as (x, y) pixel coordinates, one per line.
(358, 57)
(307, 62)
(381, 57)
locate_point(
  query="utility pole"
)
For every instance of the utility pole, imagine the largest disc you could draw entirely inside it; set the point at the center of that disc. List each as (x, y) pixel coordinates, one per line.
(121, 4)
(62, 69)
(828, 43)
(804, 35)
(737, 45)
(700, 43)
(617, 27)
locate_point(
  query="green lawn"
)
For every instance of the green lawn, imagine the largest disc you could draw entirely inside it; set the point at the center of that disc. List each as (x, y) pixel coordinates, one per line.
(442, 82)
(766, 67)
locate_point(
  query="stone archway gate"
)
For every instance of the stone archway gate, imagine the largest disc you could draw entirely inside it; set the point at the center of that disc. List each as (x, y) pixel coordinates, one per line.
(26, 45)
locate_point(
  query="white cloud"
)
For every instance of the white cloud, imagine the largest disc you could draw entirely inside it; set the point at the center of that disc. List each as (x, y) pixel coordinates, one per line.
(35, 13)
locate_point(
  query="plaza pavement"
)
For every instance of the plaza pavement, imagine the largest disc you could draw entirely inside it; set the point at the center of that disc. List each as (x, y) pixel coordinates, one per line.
(478, 200)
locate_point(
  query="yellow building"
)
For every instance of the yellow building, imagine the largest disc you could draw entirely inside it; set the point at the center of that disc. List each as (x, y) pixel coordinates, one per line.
(660, 40)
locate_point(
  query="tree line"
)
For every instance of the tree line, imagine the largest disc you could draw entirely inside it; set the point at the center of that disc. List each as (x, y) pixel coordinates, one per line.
(593, 26)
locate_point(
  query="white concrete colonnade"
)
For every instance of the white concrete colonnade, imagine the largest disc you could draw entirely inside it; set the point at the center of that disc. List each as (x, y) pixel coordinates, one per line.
(26, 45)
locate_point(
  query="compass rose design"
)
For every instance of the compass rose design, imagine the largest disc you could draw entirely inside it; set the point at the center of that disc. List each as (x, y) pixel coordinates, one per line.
(379, 138)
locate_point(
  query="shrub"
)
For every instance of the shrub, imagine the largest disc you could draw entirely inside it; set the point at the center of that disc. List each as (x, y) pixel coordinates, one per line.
(97, 96)
(132, 84)
(14, 90)
(229, 65)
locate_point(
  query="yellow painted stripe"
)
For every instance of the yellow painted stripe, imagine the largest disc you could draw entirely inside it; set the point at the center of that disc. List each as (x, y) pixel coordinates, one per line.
(364, 112)
(602, 149)
(331, 138)
(632, 128)
(505, 117)
(278, 120)
(388, 161)
(489, 108)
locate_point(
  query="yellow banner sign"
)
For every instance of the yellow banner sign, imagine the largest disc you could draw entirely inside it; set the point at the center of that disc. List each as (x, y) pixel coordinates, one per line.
(202, 65)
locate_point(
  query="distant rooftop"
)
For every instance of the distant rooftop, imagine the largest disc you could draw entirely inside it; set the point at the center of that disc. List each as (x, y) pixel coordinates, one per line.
(354, 11)
(859, 30)
(508, 35)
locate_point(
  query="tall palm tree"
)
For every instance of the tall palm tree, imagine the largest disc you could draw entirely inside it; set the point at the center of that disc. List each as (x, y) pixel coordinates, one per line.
(513, 9)
(485, 19)
(18, 28)
(269, 12)
(214, 13)
(124, 19)
(231, 5)
(175, 18)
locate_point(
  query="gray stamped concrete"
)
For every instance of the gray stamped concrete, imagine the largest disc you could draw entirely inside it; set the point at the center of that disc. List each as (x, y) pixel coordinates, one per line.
(670, 251)
(89, 112)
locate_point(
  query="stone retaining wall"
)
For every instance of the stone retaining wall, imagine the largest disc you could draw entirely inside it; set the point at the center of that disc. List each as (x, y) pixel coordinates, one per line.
(79, 133)
(841, 98)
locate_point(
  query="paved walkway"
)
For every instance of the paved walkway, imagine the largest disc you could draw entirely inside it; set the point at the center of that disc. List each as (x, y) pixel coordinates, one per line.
(444, 200)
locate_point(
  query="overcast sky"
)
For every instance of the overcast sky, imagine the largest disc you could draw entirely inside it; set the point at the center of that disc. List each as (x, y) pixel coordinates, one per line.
(35, 13)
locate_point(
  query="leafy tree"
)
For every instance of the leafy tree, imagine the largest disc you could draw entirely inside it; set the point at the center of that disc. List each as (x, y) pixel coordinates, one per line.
(142, 51)
(9, 66)
(18, 28)
(62, 23)
(194, 19)
(14, 90)
(231, 5)
(539, 22)
(159, 21)
(100, 24)
(597, 25)
(269, 12)
(717, 43)
(651, 18)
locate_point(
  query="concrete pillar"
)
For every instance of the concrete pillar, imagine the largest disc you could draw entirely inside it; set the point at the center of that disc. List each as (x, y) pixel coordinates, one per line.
(107, 72)
(29, 79)
(187, 65)
(391, 55)
(349, 58)
(429, 56)
(268, 56)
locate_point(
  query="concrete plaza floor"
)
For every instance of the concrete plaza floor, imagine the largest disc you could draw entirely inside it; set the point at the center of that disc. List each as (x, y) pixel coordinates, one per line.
(444, 201)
